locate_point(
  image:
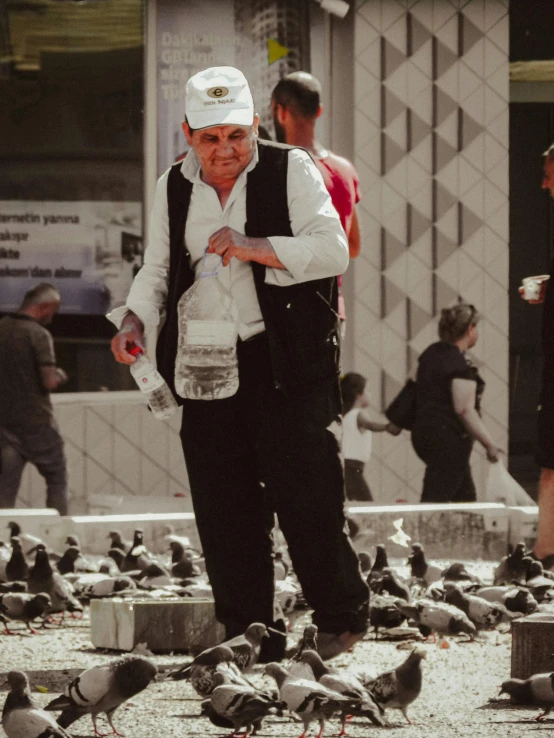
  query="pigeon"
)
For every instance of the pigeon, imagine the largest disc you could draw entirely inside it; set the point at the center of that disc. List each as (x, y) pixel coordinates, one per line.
(138, 557)
(23, 607)
(169, 536)
(103, 689)
(458, 573)
(483, 614)
(437, 617)
(393, 585)
(17, 568)
(107, 587)
(308, 699)
(515, 599)
(347, 684)
(42, 578)
(12, 587)
(511, 567)
(384, 612)
(117, 541)
(117, 556)
(21, 718)
(307, 642)
(182, 561)
(246, 647)
(243, 706)
(280, 566)
(398, 688)
(202, 669)
(67, 563)
(28, 541)
(381, 561)
(536, 690)
(420, 568)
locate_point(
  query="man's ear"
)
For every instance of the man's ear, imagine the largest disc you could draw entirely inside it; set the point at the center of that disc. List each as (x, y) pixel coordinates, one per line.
(282, 113)
(186, 131)
(319, 111)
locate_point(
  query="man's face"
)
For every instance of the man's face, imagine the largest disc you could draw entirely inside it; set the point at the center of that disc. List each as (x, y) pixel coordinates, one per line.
(280, 133)
(223, 151)
(548, 180)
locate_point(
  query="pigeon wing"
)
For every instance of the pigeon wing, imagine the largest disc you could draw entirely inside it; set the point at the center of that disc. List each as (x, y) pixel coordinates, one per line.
(90, 687)
(32, 723)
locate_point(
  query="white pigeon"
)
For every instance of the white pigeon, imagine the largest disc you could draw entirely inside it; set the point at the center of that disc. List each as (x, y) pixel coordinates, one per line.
(103, 688)
(308, 699)
(21, 718)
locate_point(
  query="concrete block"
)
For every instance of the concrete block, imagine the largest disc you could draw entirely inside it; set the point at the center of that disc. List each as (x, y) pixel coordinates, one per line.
(452, 531)
(523, 525)
(532, 639)
(42, 522)
(93, 530)
(163, 625)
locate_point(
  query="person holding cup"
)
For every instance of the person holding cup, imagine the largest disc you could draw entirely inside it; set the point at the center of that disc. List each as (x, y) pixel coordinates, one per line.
(537, 290)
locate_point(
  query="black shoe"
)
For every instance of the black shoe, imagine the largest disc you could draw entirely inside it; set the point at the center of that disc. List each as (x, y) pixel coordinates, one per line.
(547, 562)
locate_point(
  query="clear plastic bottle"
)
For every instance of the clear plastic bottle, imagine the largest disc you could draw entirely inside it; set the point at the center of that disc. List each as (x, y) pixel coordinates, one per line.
(206, 364)
(153, 385)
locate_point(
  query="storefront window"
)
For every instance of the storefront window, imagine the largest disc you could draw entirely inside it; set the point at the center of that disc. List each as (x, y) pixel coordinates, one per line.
(71, 151)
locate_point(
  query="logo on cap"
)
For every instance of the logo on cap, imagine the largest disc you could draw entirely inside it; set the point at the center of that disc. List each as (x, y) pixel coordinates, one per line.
(217, 91)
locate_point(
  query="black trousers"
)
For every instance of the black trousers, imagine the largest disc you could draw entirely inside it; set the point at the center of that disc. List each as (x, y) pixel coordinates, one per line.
(256, 454)
(446, 450)
(356, 486)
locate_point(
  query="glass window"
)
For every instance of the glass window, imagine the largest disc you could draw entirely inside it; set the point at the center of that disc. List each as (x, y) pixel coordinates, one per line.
(71, 151)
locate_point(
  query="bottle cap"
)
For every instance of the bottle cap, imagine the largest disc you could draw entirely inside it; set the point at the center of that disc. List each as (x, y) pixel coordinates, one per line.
(136, 351)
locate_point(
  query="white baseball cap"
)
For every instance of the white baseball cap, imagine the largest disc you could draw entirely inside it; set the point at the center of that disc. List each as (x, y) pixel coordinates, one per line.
(218, 96)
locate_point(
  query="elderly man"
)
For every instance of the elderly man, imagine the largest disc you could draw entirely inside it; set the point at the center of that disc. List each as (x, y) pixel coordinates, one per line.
(270, 448)
(544, 545)
(28, 430)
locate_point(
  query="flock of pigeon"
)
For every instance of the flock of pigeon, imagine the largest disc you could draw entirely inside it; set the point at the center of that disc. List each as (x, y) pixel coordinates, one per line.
(37, 584)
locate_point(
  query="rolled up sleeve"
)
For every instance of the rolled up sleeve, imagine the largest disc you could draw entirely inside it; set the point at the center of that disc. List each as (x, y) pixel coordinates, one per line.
(148, 293)
(318, 247)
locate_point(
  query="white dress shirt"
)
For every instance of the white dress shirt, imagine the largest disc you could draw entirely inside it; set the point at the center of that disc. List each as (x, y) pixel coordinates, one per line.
(318, 248)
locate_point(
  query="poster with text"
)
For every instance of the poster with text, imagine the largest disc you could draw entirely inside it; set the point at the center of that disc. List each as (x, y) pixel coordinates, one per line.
(265, 39)
(90, 250)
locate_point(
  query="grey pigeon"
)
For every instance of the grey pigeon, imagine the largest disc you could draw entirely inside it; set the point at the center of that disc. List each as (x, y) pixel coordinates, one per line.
(202, 669)
(243, 706)
(420, 569)
(42, 578)
(21, 718)
(392, 584)
(536, 690)
(511, 567)
(347, 684)
(103, 689)
(308, 642)
(67, 563)
(310, 700)
(384, 612)
(28, 541)
(23, 607)
(483, 614)
(117, 541)
(107, 587)
(182, 561)
(437, 617)
(380, 563)
(17, 568)
(246, 647)
(398, 688)
(515, 599)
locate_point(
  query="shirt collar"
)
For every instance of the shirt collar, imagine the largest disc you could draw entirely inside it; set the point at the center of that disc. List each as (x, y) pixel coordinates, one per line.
(190, 168)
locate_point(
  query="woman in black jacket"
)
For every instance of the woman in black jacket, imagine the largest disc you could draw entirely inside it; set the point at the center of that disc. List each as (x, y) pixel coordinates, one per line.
(449, 391)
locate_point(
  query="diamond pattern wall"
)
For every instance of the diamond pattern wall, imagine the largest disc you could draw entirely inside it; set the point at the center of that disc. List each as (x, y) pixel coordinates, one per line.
(431, 143)
(115, 448)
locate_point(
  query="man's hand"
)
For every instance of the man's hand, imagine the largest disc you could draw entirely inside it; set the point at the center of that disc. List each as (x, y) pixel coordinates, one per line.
(130, 334)
(228, 243)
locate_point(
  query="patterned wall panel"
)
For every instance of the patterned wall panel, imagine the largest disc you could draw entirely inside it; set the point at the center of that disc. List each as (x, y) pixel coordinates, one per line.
(115, 449)
(431, 149)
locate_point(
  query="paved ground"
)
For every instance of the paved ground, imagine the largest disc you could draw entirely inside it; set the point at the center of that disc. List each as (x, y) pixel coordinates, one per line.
(458, 684)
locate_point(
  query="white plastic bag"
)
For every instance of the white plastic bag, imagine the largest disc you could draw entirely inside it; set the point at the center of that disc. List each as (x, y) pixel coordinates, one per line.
(502, 487)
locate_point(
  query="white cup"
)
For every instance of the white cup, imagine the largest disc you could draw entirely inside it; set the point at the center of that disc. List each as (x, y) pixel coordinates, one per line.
(531, 288)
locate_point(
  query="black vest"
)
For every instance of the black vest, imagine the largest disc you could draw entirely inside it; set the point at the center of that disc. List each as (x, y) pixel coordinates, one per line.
(301, 320)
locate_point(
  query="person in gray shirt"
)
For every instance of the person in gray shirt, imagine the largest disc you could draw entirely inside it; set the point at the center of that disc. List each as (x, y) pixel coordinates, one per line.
(28, 430)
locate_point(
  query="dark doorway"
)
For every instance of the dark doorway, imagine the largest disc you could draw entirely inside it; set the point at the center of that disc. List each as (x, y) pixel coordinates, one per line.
(531, 231)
